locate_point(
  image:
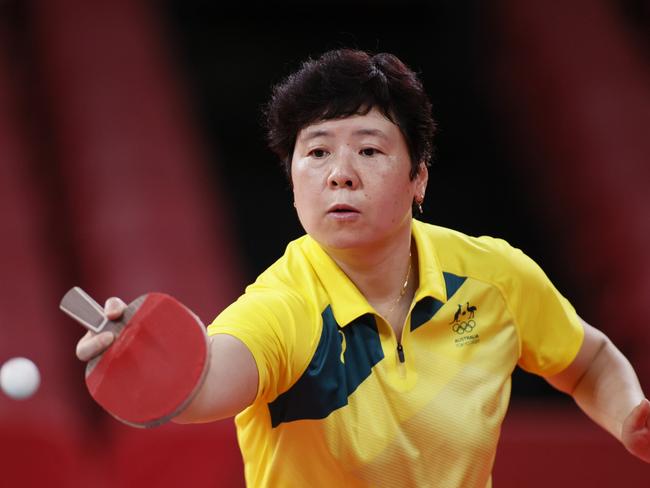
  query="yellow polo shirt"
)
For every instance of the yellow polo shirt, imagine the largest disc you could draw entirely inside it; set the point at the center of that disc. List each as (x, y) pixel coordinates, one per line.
(339, 405)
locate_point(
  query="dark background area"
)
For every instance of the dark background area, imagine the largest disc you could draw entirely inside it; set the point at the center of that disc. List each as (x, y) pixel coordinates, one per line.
(231, 57)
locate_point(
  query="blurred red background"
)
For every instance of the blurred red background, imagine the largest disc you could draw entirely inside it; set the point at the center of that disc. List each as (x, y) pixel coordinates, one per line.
(132, 159)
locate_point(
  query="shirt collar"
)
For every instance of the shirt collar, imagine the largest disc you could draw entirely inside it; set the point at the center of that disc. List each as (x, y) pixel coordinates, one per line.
(347, 302)
(432, 282)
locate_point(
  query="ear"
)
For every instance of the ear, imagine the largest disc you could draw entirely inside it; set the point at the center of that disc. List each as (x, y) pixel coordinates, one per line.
(421, 180)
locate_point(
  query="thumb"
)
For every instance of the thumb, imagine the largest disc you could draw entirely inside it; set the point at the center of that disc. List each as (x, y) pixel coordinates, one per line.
(638, 418)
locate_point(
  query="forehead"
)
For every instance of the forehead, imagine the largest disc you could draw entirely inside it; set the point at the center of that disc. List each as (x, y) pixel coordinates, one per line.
(374, 123)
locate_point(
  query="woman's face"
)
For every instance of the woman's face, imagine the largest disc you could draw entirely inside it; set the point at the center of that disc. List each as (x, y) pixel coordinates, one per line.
(351, 181)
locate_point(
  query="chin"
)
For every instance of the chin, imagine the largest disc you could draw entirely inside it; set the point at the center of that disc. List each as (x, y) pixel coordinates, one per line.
(344, 240)
(358, 236)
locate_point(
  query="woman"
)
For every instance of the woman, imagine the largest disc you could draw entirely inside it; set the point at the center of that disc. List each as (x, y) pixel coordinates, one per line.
(378, 350)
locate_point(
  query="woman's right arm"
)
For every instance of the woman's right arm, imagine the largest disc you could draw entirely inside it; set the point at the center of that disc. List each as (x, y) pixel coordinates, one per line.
(231, 382)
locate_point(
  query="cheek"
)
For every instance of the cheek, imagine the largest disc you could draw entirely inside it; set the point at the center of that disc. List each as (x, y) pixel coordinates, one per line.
(304, 195)
(307, 180)
(301, 200)
(302, 185)
(394, 202)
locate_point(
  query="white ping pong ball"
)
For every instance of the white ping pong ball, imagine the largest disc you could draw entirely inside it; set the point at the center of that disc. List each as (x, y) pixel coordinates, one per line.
(19, 378)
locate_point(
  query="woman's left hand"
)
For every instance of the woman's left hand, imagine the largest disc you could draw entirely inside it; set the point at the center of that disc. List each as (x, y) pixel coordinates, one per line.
(636, 431)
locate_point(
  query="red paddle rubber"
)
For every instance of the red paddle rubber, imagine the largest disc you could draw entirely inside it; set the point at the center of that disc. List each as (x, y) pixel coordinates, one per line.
(156, 364)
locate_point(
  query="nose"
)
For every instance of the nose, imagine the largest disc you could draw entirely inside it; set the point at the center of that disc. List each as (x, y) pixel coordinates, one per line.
(342, 174)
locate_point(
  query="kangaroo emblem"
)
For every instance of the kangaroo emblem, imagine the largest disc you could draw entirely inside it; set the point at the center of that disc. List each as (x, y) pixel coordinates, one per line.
(457, 314)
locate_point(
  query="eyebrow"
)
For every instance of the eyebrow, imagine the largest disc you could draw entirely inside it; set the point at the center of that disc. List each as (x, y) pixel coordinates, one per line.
(313, 134)
(370, 132)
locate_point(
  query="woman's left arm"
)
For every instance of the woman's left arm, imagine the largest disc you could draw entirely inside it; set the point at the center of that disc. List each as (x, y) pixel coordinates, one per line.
(603, 383)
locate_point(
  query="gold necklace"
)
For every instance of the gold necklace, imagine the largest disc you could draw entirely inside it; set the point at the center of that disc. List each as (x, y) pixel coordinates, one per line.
(402, 292)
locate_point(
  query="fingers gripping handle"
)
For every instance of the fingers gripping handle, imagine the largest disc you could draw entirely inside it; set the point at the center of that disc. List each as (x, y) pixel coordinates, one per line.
(82, 308)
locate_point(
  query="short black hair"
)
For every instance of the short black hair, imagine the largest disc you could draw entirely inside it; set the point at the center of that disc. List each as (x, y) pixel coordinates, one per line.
(346, 82)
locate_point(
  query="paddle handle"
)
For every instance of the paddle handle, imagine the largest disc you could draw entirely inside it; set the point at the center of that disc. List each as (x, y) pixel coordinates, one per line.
(82, 308)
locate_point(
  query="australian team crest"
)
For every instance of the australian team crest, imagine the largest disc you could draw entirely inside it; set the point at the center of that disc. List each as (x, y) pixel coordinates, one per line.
(464, 324)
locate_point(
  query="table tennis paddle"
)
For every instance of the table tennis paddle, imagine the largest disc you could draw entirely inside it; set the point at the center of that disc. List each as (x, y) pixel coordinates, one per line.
(156, 363)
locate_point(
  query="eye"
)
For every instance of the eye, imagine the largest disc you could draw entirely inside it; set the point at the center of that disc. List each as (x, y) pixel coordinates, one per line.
(318, 153)
(369, 151)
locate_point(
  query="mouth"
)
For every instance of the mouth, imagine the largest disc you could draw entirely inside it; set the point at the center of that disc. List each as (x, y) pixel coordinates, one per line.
(342, 209)
(342, 212)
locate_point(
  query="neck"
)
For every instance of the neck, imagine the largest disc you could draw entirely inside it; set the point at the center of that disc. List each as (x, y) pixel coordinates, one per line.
(380, 272)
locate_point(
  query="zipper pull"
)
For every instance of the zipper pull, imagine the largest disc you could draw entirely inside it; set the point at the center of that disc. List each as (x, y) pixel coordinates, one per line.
(400, 352)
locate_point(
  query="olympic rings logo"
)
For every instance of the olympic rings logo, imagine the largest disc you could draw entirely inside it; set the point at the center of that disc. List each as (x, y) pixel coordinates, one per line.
(463, 327)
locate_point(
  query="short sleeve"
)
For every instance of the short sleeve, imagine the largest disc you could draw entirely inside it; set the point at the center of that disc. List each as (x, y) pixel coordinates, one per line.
(549, 328)
(280, 331)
